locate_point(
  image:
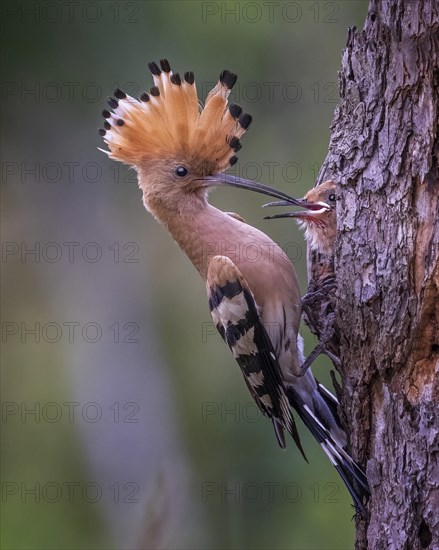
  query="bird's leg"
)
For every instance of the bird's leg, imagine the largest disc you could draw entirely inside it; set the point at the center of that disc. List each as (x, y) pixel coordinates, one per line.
(312, 304)
(321, 347)
(327, 335)
(322, 291)
(309, 317)
(334, 358)
(311, 358)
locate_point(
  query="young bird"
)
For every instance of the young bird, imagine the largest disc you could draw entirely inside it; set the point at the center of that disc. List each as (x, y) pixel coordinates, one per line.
(180, 150)
(320, 225)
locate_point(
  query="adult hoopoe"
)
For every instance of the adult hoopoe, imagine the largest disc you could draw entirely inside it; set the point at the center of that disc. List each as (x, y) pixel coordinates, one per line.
(319, 221)
(180, 150)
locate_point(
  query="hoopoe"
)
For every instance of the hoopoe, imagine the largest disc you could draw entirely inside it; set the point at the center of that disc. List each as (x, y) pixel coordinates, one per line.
(180, 150)
(318, 219)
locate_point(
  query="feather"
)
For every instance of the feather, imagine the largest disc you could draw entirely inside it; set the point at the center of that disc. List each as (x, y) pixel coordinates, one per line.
(235, 313)
(168, 121)
(347, 468)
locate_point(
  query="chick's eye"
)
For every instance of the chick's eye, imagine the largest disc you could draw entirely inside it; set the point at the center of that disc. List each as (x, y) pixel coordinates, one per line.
(181, 172)
(332, 197)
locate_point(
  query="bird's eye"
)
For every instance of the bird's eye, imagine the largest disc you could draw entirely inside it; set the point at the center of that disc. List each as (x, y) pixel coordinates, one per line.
(332, 197)
(181, 172)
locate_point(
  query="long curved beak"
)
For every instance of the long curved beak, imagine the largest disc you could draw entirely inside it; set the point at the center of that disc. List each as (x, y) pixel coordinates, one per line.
(234, 181)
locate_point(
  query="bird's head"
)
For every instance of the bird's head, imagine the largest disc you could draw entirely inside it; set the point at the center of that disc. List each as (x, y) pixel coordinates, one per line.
(318, 218)
(179, 148)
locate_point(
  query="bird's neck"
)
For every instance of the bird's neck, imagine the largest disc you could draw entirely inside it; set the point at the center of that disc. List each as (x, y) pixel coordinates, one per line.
(195, 225)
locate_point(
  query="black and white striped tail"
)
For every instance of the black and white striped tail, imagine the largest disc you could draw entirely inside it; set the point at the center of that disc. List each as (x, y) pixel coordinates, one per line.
(352, 475)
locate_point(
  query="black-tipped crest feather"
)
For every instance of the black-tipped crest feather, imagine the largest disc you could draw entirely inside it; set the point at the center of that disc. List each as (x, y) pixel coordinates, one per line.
(170, 119)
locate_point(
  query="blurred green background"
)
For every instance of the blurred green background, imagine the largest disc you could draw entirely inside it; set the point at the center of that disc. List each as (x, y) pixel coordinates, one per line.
(125, 421)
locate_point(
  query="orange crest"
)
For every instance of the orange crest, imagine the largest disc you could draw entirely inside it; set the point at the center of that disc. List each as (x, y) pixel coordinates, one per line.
(169, 122)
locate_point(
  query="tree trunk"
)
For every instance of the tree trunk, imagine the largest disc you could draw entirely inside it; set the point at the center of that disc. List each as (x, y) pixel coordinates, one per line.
(384, 154)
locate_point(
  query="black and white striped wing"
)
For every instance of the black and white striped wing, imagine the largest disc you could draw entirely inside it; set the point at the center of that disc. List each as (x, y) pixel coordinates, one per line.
(235, 314)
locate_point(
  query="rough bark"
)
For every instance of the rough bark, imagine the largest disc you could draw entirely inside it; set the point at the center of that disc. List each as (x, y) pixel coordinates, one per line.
(384, 154)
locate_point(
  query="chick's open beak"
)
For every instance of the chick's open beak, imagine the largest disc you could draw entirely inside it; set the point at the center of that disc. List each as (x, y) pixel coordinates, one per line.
(312, 209)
